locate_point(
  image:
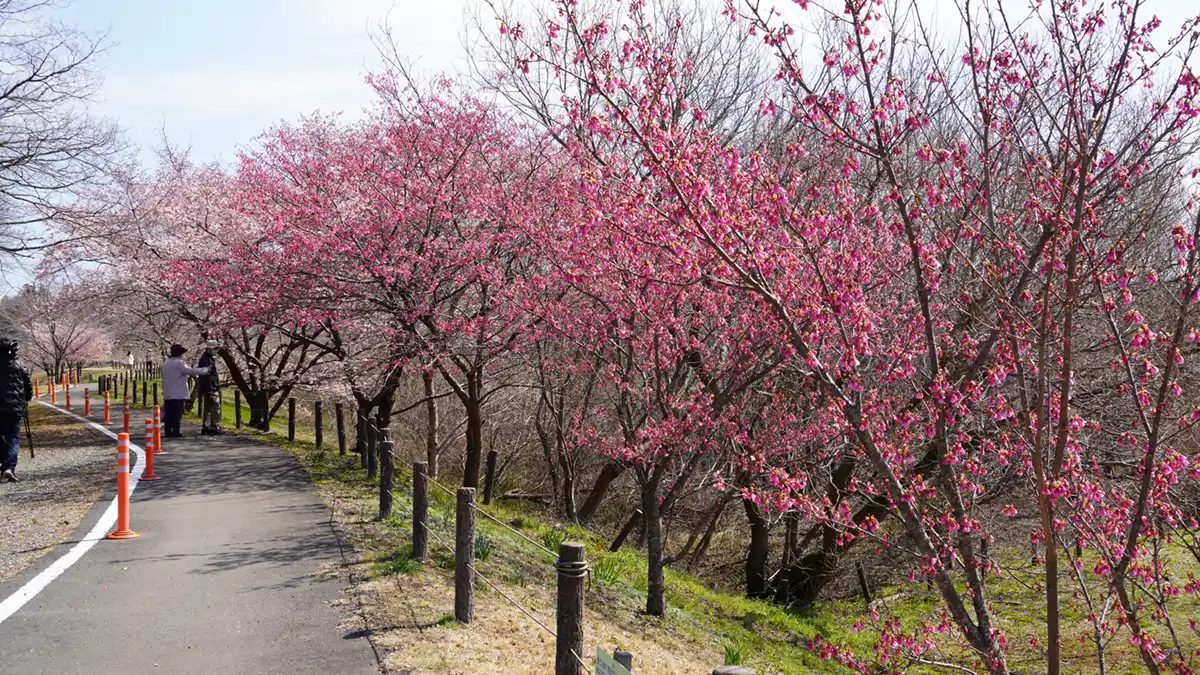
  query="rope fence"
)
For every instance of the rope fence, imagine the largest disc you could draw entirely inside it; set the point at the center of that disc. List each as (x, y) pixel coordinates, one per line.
(571, 572)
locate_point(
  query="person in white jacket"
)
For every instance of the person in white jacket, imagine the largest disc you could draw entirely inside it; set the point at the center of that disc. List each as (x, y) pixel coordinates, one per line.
(175, 374)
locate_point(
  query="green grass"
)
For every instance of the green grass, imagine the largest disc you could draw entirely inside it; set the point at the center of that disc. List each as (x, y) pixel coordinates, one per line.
(400, 562)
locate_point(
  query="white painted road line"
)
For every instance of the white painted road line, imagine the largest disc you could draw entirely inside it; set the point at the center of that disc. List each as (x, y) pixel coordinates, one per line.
(107, 521)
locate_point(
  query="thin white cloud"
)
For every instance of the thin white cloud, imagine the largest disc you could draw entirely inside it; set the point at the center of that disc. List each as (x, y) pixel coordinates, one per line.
(220, 93)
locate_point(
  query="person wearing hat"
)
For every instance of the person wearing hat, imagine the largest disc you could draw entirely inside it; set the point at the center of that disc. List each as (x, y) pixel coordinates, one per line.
(175, 374)
(208, 386)
(16, 391)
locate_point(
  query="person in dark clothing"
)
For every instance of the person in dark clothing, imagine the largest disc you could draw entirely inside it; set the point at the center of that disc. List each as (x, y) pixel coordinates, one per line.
(16, 390)
(208, 387)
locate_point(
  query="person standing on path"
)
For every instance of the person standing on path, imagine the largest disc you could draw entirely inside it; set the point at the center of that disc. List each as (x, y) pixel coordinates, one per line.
(208, 387)
(175, 374)
(16, 391)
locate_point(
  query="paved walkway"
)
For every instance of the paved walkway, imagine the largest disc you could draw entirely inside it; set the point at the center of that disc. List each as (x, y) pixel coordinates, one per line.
(226, 577)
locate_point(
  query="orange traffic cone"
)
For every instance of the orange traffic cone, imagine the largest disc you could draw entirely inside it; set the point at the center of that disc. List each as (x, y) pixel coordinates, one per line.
(158, 431)
(122, 531)
(149, 447)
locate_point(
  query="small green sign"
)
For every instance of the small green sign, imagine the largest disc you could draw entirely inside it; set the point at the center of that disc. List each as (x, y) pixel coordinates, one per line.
(606, 665)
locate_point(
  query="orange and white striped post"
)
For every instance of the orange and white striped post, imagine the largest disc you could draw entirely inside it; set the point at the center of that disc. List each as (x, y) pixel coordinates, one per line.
(126, 416)
(36, 388)
(158, 431)
(122, 531)
(107, 413)
(87, 403)
(53, 394)
(150, 449)
(68, 395)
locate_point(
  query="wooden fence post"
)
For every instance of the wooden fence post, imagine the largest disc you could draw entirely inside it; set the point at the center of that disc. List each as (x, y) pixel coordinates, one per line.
(633, 522)
(339, 412)
(464, 556)
(145, 387)
(572, 568)
(489, 481)
(155, 388)
(291, 419)
(420, 524)
(387, 471)
(126, 378)
(135, 396)
(318, 425)
(237, 408)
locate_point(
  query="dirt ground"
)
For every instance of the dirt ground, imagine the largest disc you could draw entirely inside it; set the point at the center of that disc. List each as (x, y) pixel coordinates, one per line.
(410, 615)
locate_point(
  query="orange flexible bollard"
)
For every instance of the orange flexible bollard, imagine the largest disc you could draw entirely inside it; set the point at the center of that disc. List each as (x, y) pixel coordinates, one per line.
(68, 395)
(126, 415)
(53, 396)
(158, 431)
(150, 452)
(87, 403)
(107, 415)
(36, 389)
(122, 531)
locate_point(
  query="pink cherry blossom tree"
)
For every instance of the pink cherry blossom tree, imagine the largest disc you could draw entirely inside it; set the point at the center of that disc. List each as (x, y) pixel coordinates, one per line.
(924, 207)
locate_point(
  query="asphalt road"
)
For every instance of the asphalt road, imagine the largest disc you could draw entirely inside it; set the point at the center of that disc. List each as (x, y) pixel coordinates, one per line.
(229, 576)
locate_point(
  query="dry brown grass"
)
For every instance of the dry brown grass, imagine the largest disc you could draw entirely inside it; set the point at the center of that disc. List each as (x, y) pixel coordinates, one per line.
(409, 616)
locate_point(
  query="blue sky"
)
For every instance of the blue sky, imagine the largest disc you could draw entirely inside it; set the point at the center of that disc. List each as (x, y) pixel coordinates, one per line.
(215, 74)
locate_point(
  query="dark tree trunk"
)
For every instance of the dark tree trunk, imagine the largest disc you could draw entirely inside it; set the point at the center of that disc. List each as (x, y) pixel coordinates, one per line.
(656, 587)
(756, 559)
(568, 492)
(260, 409)
(791, 537)
(471, 468)
(431, 429)
(634, 521)
(810, 575)
(604, 480)
(387, 464)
